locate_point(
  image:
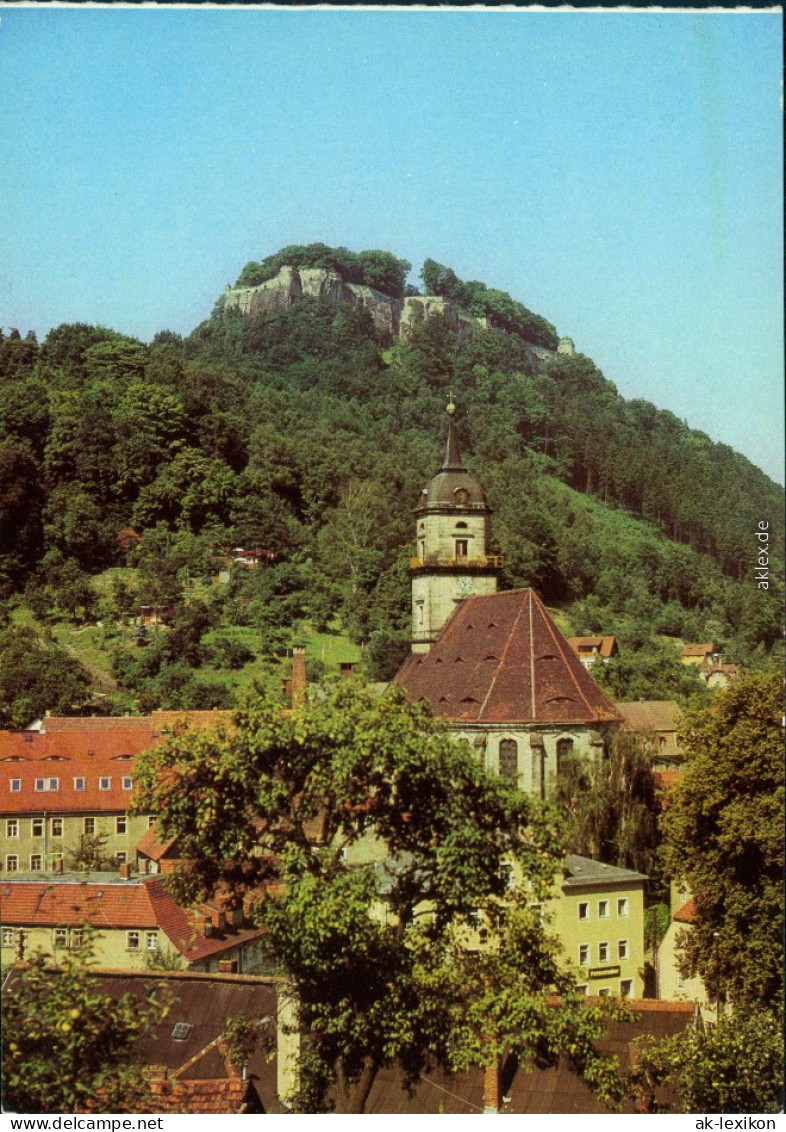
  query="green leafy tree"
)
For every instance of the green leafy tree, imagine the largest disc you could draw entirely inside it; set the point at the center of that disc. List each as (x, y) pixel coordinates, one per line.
(373, 951)
(723, 831)
(90, 854)
(67, 1046)
(735, 1066)
(35, 678)
(610, 805)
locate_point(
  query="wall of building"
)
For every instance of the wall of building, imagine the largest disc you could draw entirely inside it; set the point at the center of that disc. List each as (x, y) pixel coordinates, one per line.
(60, 835)
(536, 750)
(112, 946)
(590, 931)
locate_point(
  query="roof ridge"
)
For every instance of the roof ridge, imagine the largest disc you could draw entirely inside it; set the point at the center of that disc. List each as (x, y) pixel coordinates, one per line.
(500, 663)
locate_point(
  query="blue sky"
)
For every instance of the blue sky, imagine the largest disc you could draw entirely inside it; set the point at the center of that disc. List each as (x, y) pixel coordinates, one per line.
(619, 173)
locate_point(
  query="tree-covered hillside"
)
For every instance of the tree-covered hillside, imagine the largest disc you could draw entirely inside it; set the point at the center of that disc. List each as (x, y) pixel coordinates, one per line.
(299, 432)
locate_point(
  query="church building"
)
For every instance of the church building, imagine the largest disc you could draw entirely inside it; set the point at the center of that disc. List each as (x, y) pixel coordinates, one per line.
(494, 665)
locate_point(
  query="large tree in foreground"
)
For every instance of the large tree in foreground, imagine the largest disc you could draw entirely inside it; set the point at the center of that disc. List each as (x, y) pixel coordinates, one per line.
(378, 952)
(724, 837)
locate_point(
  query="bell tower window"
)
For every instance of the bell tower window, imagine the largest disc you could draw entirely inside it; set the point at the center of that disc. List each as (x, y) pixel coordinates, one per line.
(462, 547)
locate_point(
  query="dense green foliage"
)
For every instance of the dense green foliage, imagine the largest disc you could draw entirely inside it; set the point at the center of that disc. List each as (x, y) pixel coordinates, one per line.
(370, 933)
(733, 1066)
(502, 312)
(35, 678)
(610, 805)
(724, 837)
(303, 433)
(66, 1046)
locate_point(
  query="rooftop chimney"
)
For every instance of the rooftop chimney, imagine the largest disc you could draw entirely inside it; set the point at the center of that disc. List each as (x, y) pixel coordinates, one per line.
(125, 870)
(208, 927)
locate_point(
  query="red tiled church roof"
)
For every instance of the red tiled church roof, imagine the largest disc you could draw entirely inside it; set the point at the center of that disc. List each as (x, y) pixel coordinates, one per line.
(501, 659)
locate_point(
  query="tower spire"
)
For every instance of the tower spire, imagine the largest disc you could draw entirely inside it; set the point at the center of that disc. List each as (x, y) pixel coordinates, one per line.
(452, 461)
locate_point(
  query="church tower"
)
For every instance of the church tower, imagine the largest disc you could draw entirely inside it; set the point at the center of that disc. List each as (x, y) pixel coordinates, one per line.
(452, 546)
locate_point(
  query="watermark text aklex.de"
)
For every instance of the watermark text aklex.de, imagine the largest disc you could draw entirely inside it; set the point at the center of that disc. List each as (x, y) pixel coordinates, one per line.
(763, 555)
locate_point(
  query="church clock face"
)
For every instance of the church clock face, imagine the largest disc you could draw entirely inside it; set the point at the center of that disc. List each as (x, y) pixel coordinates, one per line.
(465, 587)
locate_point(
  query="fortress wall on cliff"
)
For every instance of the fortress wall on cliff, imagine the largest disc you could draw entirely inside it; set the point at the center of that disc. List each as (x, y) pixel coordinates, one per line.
(391, 316)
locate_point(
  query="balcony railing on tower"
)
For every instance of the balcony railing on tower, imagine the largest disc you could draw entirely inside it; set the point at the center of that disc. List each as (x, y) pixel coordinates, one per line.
(483, 562)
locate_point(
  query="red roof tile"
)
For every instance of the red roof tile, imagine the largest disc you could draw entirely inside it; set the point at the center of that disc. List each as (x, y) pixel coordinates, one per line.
(85, 754)
(501, 659)
(686, 914)
(605, 646)
(141, 905)
(149, 845)
(96, 723)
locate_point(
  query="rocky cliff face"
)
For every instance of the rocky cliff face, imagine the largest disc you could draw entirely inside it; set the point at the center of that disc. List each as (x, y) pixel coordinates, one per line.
(292, 283)
(391, 316)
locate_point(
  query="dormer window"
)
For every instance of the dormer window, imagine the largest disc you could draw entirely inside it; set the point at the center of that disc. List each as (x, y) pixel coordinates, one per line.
(42, 784)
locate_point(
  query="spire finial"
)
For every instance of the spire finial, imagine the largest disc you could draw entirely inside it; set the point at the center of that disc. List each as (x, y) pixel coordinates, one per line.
(452, 454)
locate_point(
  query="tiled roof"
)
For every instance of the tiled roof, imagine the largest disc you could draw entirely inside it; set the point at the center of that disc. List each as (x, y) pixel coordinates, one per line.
(650, 715)
(582, 871)
(30, 903)
(537, 1090)
(149, 845)
(605, 645)
(96, 723)
(501, 659)
(212, 1097)
(192, 1075)
(697, 650)
(686, 914)
(65, 755)
(129, 904)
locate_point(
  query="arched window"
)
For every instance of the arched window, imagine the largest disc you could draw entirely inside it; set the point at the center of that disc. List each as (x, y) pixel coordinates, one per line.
(564, 749)
(508, 758)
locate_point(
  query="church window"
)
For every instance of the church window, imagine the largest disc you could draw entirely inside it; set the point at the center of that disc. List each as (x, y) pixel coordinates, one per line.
(462, 547)
(508, 758)
(564, 750)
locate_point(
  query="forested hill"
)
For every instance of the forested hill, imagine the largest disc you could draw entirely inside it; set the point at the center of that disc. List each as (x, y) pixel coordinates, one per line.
(307, 432)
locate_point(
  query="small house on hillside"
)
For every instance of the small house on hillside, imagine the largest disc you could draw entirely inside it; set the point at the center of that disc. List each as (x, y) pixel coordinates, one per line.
(699, 654)
(590, 649)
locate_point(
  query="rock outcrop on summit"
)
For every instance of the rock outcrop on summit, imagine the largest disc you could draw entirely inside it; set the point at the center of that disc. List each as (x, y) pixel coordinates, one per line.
(390, 315)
